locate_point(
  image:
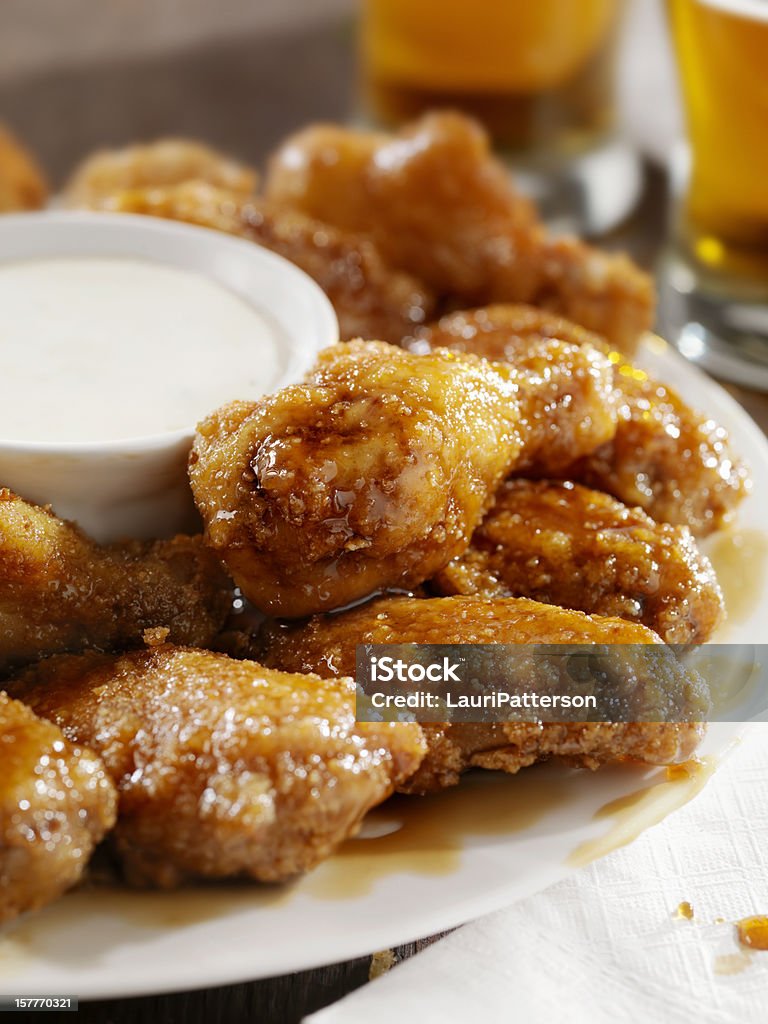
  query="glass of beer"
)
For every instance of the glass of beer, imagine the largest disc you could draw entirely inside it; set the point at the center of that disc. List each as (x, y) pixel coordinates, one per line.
(715, 276)
(539, 74)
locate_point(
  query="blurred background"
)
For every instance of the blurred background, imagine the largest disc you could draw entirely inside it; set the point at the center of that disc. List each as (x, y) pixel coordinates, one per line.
(76, 74)
(582, 102)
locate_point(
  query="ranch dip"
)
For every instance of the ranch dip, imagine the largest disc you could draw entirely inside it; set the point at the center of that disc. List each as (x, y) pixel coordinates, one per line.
(113, 349)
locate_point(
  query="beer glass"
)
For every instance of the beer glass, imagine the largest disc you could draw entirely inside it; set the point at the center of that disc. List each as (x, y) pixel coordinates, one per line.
(715, 276)
(539, 74)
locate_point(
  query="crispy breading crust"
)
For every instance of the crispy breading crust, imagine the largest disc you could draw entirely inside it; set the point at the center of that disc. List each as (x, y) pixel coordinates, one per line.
(56, 803)
(224, 768)
(63, 592)
(160, 164)
(22, 183)
(563, 544)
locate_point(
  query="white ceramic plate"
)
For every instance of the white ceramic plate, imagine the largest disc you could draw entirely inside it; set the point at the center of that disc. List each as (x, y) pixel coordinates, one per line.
(459, 855)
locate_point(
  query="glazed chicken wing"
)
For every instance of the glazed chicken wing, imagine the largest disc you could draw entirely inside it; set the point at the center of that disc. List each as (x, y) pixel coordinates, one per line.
(56, 804)
(326, 644)
(438, 205)
(673, 461)
(161, 164)
(371, 299)
(560, 543)
(665, 457)
(22, 184)
(223, 768)
(59, 591)
(374, 473)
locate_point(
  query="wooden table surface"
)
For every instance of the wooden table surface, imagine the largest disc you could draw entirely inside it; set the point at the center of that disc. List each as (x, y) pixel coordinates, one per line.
(243, 96)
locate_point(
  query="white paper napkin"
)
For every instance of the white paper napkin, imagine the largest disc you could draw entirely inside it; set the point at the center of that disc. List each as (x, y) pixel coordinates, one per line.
(604, 944)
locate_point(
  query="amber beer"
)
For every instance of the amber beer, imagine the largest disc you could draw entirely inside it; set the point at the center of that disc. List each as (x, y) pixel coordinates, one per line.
(538, 73)
(715, 276)
(722, 49)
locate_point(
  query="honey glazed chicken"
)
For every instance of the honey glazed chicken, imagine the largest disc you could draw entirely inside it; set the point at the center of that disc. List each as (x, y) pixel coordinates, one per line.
(478, 460)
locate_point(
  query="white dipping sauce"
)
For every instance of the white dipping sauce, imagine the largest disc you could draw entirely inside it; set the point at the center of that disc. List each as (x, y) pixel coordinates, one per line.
(112, 349)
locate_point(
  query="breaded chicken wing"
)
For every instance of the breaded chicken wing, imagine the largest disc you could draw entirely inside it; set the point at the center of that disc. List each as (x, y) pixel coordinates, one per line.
(160, 164)
(22, 183)
(562, 544)
(667, 458)
(371, 299)
(326, 643)
(675, 462)
(438, 205)
(223, 768)
(60, 591)
(56, 804)
(374, 473)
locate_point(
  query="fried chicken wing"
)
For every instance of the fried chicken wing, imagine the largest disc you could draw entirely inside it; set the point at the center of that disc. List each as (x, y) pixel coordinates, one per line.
(326, 643)
(223, 768)
(160, 164)
(667, 458)
(438, 205)
(59, 591)
(673, 461)
(56, 804)
(374, 472)
(562, 544)
(22, 183)
(371, 299)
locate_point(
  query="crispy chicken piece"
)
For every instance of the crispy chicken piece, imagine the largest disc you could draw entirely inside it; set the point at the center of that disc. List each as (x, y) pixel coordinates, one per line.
(562, 544)
(374, 472)
(438, 205)
(671, 460)
(452, 748)
(60, 591)
(56, 804)
(667, 458)
(326, 643)
(371, 299)
(22, 183)
(161, 164)
(223, 768)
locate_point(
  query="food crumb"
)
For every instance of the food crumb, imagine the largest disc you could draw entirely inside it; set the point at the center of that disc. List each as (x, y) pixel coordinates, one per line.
(684, 911)
(753, 931)
(381, 962)
(684, 770)
(155, 635)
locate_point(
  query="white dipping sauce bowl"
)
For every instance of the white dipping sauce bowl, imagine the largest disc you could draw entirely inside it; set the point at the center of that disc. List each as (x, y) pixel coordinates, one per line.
(139, 487)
